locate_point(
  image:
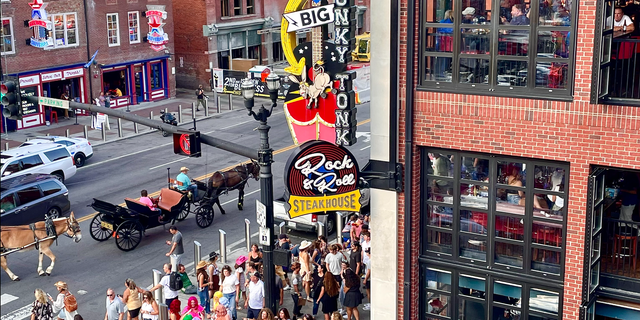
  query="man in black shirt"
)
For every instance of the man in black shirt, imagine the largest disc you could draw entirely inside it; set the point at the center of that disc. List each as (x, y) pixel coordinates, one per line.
(355, 259)
(200, 95)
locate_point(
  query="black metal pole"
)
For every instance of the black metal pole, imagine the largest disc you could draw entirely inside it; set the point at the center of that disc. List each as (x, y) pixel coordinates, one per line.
(265, 158)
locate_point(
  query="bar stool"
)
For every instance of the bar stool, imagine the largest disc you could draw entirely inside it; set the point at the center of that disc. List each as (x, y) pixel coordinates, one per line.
(54, 115)
(625, 246)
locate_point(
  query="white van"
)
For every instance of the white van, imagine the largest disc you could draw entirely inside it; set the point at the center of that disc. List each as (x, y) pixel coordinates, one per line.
(52, 159)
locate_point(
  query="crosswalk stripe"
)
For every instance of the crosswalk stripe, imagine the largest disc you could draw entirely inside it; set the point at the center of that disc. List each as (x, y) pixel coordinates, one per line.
(19, 314)
(6, 298)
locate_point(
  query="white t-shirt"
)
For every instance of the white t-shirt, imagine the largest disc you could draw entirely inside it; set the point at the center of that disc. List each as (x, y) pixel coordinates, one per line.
(625, 21)
(166, 289)
(365, 245)
(229, 284)
(334, 261)
(256, 294)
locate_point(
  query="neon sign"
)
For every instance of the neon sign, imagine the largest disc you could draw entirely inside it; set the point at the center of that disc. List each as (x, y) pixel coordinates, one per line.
(40, 25)
(156, 36)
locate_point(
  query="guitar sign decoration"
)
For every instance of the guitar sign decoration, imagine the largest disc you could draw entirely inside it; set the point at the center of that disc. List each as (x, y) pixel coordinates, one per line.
(320, 102)
(321, 177)
(40, 24)
(156, 36)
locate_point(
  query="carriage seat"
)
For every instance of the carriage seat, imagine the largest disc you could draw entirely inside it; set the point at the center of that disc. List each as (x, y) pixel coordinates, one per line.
(170, 200)
(139, 207)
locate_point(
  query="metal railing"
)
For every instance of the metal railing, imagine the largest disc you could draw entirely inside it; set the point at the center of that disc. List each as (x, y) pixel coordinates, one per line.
(624, 79)
(620, 255)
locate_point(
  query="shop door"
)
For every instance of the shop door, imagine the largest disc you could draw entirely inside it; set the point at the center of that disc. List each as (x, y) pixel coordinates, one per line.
(593, 241)
(139, 84)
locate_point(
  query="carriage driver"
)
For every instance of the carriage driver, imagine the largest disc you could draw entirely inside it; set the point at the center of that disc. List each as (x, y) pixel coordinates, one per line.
(186, 183)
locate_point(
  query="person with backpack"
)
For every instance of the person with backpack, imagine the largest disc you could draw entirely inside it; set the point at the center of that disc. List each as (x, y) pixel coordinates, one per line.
(171, 283)
(115, 306)
(65, 305)
(200, 96)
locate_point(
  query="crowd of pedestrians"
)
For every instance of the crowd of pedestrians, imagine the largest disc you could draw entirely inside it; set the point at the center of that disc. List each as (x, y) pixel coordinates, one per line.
(330, 277)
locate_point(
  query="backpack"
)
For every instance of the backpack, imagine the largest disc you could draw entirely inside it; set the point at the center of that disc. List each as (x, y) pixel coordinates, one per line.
(175, 281)
(70, 303)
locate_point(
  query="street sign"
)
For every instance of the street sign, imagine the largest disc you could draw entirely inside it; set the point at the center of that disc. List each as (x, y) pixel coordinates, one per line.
(264, 236)
(263, 31)
(261, 213)
(310, 18)
(58, 103)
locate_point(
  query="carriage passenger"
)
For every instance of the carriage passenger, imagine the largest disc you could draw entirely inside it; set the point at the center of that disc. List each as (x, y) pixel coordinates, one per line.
(144, 198)
(186, 183)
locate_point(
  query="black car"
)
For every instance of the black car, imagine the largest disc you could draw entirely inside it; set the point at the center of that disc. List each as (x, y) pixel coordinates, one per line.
(27, 199)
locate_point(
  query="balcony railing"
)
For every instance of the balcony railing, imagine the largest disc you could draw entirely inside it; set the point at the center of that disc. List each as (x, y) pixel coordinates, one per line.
(624, 79)
(620, 248)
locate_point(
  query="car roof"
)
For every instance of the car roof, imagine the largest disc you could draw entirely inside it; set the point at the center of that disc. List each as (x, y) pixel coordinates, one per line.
(16, 152)
(14, 182)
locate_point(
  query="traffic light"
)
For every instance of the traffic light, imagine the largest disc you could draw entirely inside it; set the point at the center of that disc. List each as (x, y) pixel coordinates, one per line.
(11, 100)
(187, 143)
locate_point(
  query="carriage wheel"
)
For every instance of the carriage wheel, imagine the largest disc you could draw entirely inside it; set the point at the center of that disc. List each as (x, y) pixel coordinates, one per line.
(204, 216)
(128, 235)
(186, 209)
(98, 232)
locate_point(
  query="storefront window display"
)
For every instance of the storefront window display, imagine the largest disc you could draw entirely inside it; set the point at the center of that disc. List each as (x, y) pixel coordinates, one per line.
(115, 83)
(157, 76)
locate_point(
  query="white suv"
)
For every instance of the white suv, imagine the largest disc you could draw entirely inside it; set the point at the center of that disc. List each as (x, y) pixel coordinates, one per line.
(79, 148)
(41, 158)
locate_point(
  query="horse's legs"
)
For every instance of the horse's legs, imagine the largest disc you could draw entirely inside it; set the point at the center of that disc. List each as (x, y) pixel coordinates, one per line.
(241, 197)
(3, 263)
(40, 256)
(218, 203)
(47, 251)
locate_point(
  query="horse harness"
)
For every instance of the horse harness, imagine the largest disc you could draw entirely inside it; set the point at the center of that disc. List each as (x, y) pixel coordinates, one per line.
(51, 234)
(243, 180)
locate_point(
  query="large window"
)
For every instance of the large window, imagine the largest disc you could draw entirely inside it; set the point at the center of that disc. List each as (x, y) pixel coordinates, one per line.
(113, 32)
(250, 7)
(498, 212)
(134, 27)
(237, 7)
(452, 294)
(224, 8)
(521, 50)
(7, 46)
(64, 32)
(156, 76)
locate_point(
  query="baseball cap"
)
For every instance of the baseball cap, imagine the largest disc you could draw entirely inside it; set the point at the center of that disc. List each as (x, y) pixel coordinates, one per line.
(283, 236)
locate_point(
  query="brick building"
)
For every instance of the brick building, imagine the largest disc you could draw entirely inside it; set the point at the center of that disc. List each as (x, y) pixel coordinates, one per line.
(521, 145)
(117, 35)
(214, 33)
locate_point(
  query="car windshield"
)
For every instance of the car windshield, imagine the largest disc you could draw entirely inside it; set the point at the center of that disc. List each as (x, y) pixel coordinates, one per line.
(26, 144)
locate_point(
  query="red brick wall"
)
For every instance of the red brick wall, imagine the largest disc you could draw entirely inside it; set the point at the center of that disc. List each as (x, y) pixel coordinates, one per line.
(190, 44)
(576, 132)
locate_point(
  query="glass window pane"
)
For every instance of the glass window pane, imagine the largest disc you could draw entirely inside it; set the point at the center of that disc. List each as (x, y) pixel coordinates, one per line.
(509, 228)
(554, 13)
(438, 280)
(513, 43)
(542, 300)
(546, 261)
(440, 165)
(440, 190)
(49, 187)
(438, 241)
(439, 304)
(595, 248)
(472, 196)
(475, 41)
(439, 40)
(546, 233)
(512, 173)
(552, 75)
(507, 293)
(439, 11)
(549, 178)
(510, 201)
(71, 21)
(607, 18)
(439, 216)
(512, 73)
(71, 36)
(594, 276)
(474, 70)
(28, 195)
(604, 81)
(471, 286)
(597, 219)
(473, 168)
(506, 11)
(475, 12)
(473, 248)
(471, 310)
(553, 44)
(473, 222)
(438, 68)
(509, 254)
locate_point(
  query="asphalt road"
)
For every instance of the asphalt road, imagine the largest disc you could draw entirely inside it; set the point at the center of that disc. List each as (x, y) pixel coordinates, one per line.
(121, 169)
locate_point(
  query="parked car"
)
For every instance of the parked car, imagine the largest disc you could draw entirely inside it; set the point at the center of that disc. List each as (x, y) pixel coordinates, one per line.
(28, 198)
(309, 222)
(47, 158)
(79, 148)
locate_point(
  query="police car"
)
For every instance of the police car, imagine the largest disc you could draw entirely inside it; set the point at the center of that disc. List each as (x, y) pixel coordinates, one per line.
(79, 148)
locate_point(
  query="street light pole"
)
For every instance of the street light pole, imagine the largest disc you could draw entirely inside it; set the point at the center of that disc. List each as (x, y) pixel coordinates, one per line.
(265, 158)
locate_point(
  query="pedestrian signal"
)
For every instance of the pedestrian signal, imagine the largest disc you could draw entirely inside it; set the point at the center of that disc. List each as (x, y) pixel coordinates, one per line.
(187, 143)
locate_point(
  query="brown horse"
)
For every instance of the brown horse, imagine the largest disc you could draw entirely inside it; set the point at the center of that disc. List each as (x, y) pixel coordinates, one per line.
(233, 179)
(23, 238)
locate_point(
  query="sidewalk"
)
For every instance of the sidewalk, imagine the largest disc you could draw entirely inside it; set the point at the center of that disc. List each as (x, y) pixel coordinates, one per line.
(183, 98)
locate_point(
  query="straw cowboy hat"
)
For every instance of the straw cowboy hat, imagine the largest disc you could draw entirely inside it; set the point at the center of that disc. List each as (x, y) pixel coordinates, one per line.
(305, 244)
(61, 284)
(201, 265)
(184, 169)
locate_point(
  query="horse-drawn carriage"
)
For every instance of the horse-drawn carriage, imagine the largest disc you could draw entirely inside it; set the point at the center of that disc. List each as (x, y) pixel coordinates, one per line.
(128, 224)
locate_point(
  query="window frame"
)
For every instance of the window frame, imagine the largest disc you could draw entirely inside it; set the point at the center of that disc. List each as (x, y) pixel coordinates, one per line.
(117, 30)
(251, 5)
(237, 8)
(490, 238)
(224, 8)
(129, 28)
(12, 37)
(531, 91)
(52, 32)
